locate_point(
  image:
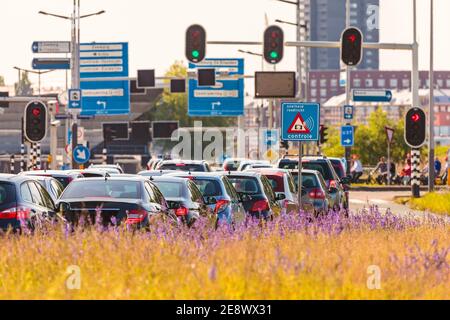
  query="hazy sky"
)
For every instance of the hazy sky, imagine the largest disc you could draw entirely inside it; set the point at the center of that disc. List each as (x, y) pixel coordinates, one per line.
(155, 30)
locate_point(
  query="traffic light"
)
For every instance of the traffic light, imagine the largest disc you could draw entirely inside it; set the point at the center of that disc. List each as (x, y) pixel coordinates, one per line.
(351, 47)
(35, 120)
(415, 128)
(195, 43)
(323, 134)
(273, 44)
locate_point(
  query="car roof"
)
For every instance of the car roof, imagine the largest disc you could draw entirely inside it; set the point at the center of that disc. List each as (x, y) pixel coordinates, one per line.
(115, 178)
(268, 171)
(196, 174)
(14, 178)
(242, 174)
(183, 161)
(169, 179)
(51, 172)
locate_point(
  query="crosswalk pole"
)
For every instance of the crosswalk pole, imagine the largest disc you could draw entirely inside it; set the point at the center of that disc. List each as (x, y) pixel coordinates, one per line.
(38, 156)
(12, 168)
(415, 172)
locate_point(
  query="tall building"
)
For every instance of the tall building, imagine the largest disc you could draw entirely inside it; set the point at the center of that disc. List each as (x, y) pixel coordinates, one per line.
(327, 20)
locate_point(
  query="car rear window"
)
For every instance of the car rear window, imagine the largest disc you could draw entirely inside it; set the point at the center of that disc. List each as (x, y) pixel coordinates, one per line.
(183, 167)
(231, 165)
(337, 165)
(249, 185)
(320, 166)
(7, 195)
(209, 187)
(101, 188)
(171, 189)
(277, 182)
(309, 181)
(288, 164)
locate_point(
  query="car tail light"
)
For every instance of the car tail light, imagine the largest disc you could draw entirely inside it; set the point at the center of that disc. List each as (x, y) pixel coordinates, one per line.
(333, 184)
(221, 205)
(260, 205)
(15, 213)
(316, 194)
(181, 212)
(136, 216)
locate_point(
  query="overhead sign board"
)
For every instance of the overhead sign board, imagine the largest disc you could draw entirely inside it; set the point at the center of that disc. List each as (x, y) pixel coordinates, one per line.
(108, 62)
(347, 136)
(372, 96)
(51, 47)
(300, 121)
(51, 64)
(226, 98)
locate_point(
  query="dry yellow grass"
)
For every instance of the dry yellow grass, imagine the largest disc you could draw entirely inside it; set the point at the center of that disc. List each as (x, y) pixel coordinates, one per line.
(299, 265)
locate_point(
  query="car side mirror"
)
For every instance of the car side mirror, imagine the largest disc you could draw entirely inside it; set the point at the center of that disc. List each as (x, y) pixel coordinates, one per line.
(280, 197)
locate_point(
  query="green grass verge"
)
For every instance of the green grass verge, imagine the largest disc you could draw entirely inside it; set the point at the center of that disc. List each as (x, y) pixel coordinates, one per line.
(438, 203)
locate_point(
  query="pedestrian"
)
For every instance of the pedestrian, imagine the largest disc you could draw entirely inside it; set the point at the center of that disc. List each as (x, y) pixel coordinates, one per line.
(357, 169)
(382, 168)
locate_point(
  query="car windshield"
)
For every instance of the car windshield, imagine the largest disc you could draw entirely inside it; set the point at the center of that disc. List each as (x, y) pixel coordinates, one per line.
(248, 185)
(320, 166)
(182, 167)
(7, 195)
(208, 187)
(171, 189)
(102, 188)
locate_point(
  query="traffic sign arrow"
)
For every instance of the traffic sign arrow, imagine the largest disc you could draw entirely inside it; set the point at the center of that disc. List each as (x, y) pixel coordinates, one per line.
(81, 154)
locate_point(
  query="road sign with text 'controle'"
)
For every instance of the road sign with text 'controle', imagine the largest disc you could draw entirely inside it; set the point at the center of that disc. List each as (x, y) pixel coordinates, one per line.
(300, 121)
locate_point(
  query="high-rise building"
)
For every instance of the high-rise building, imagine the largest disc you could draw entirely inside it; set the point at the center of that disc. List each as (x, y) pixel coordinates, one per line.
(327, 21)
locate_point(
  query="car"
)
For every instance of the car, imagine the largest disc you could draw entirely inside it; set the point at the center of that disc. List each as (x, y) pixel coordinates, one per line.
(133, 201)
(184, 165)
(250, 164)
(155, 173)
(341, 170)
(232, 164)
(219, 192)
(64, 177)
(315, 195)
(282, 183)
(321, 164)
(184, 198)
(256, 193)
(53, 186)
(110, 168)
(24, 203)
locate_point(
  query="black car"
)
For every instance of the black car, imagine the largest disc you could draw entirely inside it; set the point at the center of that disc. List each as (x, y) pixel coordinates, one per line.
(184, 165)
(64, 177)
(184, 198)
(53, 186)
(24, 203)
(256, 194)
(132, 200)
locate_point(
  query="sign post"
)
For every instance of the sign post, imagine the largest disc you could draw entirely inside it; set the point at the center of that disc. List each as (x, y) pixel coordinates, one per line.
(301, 123)
(390, 138)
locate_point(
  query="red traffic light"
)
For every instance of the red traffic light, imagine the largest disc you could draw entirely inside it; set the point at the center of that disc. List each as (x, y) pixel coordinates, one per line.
(352, 38)
(415, 117)
(36, 112)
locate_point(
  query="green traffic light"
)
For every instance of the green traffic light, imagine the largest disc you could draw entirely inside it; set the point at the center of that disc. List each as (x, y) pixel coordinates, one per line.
(195, 54)
(274, 55)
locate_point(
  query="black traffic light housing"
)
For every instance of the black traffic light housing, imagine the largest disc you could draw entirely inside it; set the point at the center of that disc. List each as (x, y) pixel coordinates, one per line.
(35, 120)
(273, 44)
(351, 46)
(323, 134)
(196, 43)
(415, 128)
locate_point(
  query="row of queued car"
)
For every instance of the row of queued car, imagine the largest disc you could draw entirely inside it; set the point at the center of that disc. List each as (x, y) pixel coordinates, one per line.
(177, 191)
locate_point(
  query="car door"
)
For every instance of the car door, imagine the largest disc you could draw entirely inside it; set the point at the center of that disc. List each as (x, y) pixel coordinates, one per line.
(197, 199)
(236, 205)
(43, 208)
(267, 187)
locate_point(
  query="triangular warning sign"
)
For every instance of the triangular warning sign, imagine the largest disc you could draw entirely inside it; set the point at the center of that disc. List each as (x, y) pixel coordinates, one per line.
(299, 125)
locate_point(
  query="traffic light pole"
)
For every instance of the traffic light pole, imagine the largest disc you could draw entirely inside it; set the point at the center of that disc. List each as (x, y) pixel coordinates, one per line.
(348, 150)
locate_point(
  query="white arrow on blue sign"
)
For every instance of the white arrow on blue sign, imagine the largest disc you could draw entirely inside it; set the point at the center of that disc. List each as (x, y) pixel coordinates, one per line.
(81, 154)
(372, 95)
(347, 136)
(75, 99)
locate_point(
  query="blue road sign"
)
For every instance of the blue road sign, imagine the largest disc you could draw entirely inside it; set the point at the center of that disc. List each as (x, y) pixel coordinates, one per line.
(347, 136)
(226, 99)
(348, 112)
(271, 137)
(111, 95)
(51, 47)
(51, 64)
(372, 96)
(81, 154)
(300, 121)
(75, 99)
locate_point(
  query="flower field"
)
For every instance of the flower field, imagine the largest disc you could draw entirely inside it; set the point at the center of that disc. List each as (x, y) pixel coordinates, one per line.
(364, 256)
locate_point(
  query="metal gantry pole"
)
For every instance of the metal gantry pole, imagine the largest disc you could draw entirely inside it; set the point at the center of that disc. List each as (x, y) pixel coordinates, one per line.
(431, 142)
(348, 150)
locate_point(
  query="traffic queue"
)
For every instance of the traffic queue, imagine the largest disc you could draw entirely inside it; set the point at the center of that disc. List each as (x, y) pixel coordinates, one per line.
(172, 191)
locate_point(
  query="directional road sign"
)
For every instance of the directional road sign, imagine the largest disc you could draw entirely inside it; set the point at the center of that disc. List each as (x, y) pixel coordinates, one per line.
(349, 112)
(110, 95)
(347, 136)
(300, 121)
(51, 47)
(226, 98)
(81, 154)
(372, 95)
(271, 137)
(51, 64)
(75, 99)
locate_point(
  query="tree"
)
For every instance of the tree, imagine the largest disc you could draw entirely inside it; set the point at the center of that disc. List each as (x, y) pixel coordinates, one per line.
(23, 87)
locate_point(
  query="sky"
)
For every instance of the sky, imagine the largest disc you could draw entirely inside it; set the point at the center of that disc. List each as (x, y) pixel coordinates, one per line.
(155, 30)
